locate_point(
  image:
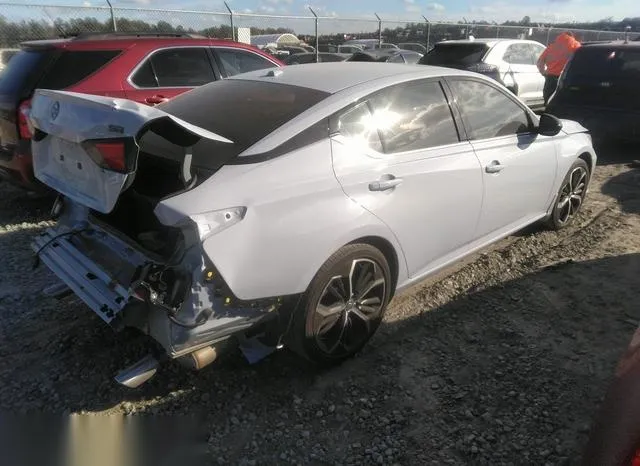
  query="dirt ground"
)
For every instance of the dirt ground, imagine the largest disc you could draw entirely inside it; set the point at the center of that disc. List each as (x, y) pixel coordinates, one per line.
(501, 360)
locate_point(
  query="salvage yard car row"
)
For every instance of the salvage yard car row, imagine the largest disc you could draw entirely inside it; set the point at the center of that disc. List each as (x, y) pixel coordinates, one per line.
(281, 205)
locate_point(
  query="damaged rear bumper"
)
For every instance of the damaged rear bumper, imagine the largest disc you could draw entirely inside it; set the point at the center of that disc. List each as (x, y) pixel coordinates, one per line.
(100, 269)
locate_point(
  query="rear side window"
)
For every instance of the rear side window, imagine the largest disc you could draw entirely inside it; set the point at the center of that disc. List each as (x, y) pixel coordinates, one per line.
(175, 67)
(593, 65)
(444, 54)
(71, 67)
(356, 125)
(520, 54)
(413, 116)
(488, 112)
(241, 61)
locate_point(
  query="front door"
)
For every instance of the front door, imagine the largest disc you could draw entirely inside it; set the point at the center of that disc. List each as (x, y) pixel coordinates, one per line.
(518, 165)
(398, 155)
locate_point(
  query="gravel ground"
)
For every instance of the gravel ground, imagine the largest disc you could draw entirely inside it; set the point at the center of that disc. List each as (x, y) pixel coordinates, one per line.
(501, 360)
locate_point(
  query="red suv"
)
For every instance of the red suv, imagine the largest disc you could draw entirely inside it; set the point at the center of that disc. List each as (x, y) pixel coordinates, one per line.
(149, 69)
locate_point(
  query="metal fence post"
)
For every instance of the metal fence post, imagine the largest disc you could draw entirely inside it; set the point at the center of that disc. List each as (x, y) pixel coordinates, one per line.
(497, 31)
(428, 32)
(379, 30)
(549, 34)
(315, 16)
(233, 29)
(113, 18)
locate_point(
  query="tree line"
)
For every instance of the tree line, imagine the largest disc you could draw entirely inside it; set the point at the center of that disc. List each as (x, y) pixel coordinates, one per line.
(13, 33)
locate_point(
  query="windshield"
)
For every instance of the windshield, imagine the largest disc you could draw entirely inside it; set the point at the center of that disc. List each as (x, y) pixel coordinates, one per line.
(240, 110)
(453, 54)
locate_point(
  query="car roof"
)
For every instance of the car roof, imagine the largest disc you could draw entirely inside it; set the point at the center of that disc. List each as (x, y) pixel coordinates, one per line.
(490, 42)
(125, 40)
(337, 76)
(608, 45)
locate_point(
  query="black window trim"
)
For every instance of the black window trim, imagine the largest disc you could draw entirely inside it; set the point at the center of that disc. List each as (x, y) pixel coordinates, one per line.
(533, 119)
(448, 95)
(218, 61)
(147, 58)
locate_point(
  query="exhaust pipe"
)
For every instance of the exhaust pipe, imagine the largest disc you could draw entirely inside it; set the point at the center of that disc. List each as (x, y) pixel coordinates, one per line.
(138, 373)
(199, 359)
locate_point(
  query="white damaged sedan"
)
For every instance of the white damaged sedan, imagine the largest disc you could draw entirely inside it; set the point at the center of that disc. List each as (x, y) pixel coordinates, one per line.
(286, 207)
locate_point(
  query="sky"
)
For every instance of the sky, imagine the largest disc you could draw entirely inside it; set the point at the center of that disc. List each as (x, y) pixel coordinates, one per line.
(543, 11)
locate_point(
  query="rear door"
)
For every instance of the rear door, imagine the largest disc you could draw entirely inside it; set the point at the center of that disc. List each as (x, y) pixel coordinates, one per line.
(398, 155)
(518, 69)
(518, 166)
(235, 60)
(168, 72)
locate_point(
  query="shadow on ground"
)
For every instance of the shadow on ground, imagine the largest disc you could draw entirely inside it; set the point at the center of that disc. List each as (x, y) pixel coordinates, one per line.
(524, 362)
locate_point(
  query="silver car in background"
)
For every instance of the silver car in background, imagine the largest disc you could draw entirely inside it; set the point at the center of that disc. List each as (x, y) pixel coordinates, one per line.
(288, 206)
(510, 61)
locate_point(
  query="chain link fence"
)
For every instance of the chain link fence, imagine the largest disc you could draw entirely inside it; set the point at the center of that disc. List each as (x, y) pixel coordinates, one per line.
(23, 22)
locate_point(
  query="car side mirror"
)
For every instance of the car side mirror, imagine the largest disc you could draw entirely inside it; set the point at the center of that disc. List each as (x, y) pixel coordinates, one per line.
(549, 125)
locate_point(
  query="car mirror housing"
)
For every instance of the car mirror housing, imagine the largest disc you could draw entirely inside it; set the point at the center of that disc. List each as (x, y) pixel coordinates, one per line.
(549, 125)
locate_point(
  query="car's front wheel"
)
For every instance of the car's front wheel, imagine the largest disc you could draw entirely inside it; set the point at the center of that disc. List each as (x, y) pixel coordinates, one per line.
(571, 196)
(343, 306)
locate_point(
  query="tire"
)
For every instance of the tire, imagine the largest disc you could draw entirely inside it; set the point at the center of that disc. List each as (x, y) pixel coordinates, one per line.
(570, 197)
(351, 318)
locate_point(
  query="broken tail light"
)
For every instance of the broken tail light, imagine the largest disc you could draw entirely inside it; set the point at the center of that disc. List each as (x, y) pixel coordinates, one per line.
(24, 127)
(116, 155)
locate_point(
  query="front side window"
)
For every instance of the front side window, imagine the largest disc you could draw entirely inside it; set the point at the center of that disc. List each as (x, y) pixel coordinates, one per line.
(488, 112)
(413, 116)
(175, 67)
(241, 61)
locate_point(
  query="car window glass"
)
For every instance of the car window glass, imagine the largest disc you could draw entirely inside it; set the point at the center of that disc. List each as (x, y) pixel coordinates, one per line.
(519, 54)
(358, 126)
(488, 112)
(397, 58)
(182, 67)
(536, 51)
(71, 67)
(241, 61)
(145, 77)
(413, 116)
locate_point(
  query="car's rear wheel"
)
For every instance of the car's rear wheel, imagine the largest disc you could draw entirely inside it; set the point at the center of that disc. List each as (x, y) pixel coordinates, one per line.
(571, 196)
(343, 306)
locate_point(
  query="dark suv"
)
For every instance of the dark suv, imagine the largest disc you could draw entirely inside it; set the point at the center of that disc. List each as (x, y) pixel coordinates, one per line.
(599, 88)
(149, 69)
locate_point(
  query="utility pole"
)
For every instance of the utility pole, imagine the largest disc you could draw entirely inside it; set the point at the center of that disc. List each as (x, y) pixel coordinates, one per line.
(113, 18)
(428, 32)
(233, 29)
(379, 30)
(317, 38)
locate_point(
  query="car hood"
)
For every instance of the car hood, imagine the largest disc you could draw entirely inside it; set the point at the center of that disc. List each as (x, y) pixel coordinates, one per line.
(573, 127)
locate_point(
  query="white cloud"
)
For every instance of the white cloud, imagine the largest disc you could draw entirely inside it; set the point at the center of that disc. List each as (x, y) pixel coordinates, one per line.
(435, 7)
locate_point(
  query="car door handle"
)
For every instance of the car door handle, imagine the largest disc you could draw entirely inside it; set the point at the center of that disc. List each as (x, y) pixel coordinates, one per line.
(494, 167)
(156, 99)
(384, 184)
